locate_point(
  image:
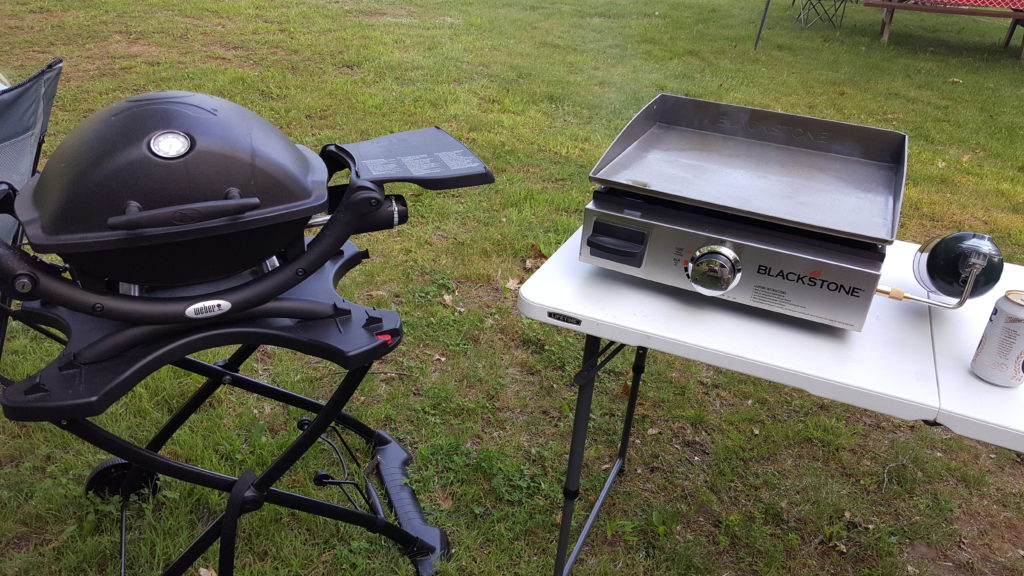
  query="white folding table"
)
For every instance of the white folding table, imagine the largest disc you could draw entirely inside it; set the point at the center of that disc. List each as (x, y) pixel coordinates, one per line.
(910, 361)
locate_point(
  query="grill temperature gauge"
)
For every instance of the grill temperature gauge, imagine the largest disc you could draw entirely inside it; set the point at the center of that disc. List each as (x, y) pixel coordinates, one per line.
(713, 270)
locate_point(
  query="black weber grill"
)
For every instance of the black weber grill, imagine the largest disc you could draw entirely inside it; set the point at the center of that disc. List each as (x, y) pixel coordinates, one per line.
(179, 220)
(172, 188)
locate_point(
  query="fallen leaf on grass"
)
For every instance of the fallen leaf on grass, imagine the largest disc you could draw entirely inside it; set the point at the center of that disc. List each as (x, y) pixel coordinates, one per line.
(445, 500)
(653, 431)
(515, 282)
(533, 263)
(536, 260)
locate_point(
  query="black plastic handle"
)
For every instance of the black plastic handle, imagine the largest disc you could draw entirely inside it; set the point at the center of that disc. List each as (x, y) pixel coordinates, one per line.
(392, 464)
(183, 214)
(616, 246)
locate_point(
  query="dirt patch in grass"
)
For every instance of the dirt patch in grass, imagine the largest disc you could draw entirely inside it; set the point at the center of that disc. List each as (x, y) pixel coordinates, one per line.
(922, 558)
(25, 542)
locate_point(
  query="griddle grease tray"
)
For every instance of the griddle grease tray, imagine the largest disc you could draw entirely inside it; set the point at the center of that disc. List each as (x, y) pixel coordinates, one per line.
(824, 176)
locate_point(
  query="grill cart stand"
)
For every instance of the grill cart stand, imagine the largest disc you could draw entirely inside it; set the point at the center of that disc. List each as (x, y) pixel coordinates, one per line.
(150, 282)
(95, 371)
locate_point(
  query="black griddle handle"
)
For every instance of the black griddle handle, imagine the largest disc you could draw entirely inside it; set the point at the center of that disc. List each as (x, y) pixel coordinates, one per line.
(615, 246)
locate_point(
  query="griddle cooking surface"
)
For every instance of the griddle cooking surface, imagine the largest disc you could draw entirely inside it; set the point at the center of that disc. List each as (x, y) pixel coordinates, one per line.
(834, 187)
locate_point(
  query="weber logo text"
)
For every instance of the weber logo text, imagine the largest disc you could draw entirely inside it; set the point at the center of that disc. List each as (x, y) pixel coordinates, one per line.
(207, 308)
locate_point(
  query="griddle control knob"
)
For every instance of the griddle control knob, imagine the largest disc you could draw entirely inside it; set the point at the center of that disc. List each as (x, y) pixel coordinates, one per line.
(713, 270)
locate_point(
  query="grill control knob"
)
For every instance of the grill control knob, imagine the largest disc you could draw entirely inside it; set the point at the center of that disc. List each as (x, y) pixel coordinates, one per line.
(713, 270)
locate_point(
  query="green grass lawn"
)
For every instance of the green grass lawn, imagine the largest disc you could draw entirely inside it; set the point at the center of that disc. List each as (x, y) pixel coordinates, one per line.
(728, 475)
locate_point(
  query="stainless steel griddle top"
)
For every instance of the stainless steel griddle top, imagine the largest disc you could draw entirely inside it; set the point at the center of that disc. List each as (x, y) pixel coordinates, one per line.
(814, 174)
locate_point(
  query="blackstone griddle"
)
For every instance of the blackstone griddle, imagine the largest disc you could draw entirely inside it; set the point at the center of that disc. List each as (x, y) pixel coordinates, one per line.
(778, 211)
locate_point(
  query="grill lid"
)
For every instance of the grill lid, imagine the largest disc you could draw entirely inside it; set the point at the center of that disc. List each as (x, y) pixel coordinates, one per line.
(167, 167)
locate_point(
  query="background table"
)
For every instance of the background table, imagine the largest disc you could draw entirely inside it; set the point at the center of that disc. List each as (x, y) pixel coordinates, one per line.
(910, 361)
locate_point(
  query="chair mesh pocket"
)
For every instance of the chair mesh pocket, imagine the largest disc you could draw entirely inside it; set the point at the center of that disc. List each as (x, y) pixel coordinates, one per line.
(16, 158)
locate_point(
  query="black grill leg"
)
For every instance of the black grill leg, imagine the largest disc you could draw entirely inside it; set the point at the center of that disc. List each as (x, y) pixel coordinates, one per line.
(241, 500)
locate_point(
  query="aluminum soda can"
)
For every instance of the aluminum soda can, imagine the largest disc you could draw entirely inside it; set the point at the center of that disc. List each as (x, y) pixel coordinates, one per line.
(1000, 355)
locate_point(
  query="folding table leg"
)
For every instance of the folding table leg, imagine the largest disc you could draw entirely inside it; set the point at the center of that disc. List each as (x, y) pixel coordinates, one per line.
(229, 528)
(594, 358)
(585, 381)
(176, 421)
(639, 363)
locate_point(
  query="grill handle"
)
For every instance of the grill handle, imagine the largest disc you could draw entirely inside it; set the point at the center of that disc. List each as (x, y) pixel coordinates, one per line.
(25, 277)
(182, 214)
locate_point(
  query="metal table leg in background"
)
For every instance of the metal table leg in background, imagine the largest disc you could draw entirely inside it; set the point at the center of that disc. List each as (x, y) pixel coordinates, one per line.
(594, 358)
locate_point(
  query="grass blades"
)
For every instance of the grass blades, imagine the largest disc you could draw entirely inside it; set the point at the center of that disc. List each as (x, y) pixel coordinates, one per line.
(727, 475)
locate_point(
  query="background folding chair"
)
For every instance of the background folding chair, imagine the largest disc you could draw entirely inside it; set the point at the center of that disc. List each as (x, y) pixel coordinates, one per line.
(831, 11)
(811, 11)
(24, 117)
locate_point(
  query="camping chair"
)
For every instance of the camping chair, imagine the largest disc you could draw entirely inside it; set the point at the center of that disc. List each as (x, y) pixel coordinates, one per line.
(831, 11)
(24, 117)
(811, 11)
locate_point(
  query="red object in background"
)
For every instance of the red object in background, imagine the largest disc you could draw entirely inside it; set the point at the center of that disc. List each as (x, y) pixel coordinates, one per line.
(1013, 4)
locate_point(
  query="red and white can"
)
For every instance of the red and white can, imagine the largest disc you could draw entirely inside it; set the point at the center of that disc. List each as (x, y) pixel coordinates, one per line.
(1000, 355)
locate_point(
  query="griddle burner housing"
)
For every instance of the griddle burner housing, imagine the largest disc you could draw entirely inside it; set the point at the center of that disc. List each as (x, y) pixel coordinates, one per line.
(776, 211)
